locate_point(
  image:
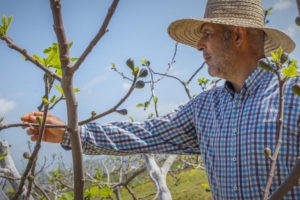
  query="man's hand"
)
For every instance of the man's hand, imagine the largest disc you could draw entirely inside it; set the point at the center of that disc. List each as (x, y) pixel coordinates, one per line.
(54, 135)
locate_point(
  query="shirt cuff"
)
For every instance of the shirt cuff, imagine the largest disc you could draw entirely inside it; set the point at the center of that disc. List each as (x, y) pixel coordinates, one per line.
(66, 143)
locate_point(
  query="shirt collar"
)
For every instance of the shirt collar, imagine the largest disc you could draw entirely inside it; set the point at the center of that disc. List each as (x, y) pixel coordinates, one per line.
(251, 83)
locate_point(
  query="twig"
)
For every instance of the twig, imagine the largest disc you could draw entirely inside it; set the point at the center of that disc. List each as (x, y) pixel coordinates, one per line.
(37, 147)
(196, 72)
(41, 190)
(9, 177)
(131, 192)
(291, 181)
(279, 137)
(30, 125)
(113, 109)
(24, 52)
(99, 35)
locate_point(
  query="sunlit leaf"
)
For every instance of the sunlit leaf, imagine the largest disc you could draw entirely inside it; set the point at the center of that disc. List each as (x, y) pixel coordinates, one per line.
(290, 71)
(3, 155)
(37, 58)
(76, 90)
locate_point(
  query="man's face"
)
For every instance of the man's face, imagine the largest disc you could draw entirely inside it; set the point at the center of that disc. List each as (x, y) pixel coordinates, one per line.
(217, 50)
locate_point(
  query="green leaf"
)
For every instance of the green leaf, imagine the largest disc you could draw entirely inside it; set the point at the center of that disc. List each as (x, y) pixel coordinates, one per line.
(273, 56)
(59, 72)
(37, 58)
(290, 71)
(23, 57)
(67, 196)
(135, 70)
(70, 44)
(146, 104)
(9, 20)
(155, 99)
(132, 120)
(140, 105)
(53, 99)
(4, 22)
(1, 30)
(39, 120)
(45, 100)
(279, 53)
(105, 192)
(74, 59)
(144, 61)
(98, 175)
(1, 119)
(76, 90)
(113, 65)
(59, 88)
(48, 50)
(3, 155)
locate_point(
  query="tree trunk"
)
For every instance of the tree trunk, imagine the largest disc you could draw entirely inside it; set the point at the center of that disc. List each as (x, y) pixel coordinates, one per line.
(8, 163)
(159, 176)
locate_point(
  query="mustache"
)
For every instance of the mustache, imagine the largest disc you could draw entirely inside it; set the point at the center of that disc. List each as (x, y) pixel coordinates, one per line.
(205, 54)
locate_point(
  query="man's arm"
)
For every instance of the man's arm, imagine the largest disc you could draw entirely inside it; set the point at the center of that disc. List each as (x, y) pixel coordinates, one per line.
(174, 133)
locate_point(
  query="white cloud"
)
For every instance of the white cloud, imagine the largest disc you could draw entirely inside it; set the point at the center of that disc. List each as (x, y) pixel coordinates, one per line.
(282, 4)
(6, 106)
(292, 30)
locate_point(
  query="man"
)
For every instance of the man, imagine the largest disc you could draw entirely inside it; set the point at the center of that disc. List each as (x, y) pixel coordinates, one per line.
(231, 125)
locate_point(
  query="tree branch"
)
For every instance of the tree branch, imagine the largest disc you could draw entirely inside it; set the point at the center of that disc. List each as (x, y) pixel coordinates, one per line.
(99, 35)
(279, 136)
(113, 109)
(291, 181)
(24, 52)
(37, 147)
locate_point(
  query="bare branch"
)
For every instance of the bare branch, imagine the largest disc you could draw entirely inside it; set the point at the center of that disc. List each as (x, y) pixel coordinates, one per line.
(37, 147)
(24, 52)
(113, 109)
(29, 125)
(279, 136)
(9, 177)
(99, 35)
(41, 190)
(196, 72)
(291, 181)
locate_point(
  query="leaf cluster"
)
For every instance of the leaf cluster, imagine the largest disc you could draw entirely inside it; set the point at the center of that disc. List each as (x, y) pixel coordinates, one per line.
(5, 25)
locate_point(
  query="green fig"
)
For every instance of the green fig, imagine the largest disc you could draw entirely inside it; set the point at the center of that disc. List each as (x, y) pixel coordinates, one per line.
(296, 88)
(139, 84)
(143, 73)
(263, 63)
(284, 57)
(122, 111)
(267, 152)
(297, 20)
(94, 113)
(130, 63)
(26, 155)
(30, 178)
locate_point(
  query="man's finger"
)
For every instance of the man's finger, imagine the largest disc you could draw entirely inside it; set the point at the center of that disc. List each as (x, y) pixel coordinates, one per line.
(27, 116)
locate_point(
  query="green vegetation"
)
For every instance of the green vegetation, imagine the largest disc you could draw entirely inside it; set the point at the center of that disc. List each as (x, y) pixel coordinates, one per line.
(189, 187)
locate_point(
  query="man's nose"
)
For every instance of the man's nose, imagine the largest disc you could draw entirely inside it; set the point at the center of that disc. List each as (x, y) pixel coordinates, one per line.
(201, 45)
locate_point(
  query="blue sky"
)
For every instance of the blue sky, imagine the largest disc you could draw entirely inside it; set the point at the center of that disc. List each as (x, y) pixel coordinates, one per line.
(137, 30)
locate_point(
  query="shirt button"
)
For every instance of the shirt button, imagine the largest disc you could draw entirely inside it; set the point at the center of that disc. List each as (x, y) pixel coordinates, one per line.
(235, 188)
(233, 159)
(235, 131)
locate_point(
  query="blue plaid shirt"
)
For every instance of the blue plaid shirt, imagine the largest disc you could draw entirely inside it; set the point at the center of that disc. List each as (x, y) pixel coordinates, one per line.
(229, 130)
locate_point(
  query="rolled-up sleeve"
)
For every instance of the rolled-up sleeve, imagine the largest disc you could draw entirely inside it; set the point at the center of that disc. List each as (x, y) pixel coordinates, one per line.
(174, 134)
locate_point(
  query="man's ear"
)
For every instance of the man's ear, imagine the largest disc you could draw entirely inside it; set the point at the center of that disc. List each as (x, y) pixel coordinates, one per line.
(239, 35)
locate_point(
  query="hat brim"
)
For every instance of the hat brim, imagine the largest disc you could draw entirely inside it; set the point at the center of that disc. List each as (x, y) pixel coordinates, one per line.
(187, 31)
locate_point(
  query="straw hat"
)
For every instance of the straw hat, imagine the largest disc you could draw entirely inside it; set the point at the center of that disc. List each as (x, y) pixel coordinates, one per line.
(243, 13)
